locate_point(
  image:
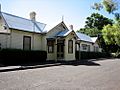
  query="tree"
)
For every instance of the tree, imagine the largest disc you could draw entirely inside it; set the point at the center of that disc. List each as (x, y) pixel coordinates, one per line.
(90, 31)
(111, 6)
(97, 21)
(111, 34)
(97, 6)
(94, 24)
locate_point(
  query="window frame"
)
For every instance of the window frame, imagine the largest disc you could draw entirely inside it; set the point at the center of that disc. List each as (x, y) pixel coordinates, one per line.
(70, 47)
(50, 45)
(84, 47)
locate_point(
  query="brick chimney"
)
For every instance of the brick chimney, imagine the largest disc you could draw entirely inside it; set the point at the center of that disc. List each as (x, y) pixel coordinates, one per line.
(33, 16)
(71, 27)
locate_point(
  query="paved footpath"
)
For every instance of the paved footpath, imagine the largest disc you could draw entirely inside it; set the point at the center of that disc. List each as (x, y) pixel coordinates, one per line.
(102, 75)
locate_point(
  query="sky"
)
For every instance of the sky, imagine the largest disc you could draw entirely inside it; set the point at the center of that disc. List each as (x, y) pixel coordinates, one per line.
(51, 12)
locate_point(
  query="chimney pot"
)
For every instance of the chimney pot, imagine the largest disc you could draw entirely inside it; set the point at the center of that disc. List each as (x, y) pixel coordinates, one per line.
(32, 16)
(71, 27)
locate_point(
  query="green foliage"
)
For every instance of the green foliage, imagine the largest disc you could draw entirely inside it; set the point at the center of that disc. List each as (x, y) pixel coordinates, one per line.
(110, 5)
(94, 24)
(111, 34)
(90, 31)
(116, 55)
(97, 6)
(97, 21)
(117, 17)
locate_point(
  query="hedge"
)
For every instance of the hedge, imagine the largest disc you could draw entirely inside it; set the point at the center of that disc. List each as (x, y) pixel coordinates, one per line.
(91, 55)
(21, 56)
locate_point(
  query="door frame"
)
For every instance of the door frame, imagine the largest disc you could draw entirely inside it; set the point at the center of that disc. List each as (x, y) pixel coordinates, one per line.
(24, 43)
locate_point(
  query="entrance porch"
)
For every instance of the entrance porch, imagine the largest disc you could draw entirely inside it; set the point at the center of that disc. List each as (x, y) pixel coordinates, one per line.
(61, 48)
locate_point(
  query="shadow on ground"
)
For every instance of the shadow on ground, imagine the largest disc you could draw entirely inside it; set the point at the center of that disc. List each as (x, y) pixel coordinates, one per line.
(84, 62)
(73, 63)
(33, 65)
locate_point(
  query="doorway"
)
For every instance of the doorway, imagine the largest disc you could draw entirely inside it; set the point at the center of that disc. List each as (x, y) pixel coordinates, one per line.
(26, 43)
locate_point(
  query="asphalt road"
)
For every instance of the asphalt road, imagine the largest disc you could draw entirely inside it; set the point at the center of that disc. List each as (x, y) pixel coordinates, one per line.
(105, 75)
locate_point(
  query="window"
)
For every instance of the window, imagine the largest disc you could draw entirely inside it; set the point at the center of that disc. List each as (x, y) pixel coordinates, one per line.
(84, 46)
(26, 43)
(70, 46)
(50, 49)
(50, 44)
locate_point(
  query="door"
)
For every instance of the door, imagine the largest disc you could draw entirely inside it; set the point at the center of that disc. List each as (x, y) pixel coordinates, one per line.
(26, 43)
(60, 49)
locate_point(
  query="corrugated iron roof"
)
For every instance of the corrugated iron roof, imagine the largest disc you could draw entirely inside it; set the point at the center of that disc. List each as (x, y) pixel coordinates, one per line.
(63, 33)
(20, 23)
(84, 37)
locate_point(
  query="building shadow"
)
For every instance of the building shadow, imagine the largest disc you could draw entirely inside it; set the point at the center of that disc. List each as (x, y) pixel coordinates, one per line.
(82, 62)
(35, 65)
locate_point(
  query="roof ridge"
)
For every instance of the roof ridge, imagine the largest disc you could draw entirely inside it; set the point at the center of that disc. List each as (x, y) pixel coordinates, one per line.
(21, 17)
(21, 23)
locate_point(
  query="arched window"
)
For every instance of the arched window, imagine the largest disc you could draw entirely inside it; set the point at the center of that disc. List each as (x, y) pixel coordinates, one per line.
(70, 46)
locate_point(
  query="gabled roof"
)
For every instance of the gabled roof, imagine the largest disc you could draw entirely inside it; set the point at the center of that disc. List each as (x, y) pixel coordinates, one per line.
(19, 23)
(50, 27)
(84, 37)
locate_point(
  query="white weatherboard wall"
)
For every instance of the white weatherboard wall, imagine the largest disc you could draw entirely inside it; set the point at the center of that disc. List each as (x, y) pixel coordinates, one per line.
(51, 56)
(3, 25)
(16, 39)
(4, 34)
(51, 34)
(44, 43)
(87, 43)
(92, 46)
(95, 45)
(37, 42)
(4, 40)
(69, 56)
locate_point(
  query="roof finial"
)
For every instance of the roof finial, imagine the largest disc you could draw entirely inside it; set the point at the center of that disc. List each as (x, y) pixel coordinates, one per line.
(62, 18)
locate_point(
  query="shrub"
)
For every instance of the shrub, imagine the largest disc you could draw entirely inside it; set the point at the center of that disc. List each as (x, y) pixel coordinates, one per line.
(91, 55)
(21, 56)
(115, 55)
